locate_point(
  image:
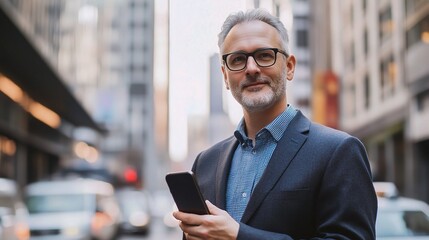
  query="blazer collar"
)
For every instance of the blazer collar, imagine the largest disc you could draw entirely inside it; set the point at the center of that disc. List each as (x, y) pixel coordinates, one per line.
(288, 146)
(223, 168)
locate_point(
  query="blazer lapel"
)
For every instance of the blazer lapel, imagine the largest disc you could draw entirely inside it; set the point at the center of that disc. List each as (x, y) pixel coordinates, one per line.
(288, 146)
(222, 171)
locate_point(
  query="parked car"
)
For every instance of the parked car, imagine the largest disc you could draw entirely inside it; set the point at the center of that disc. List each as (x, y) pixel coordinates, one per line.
(399, 217)
(72, 209)
(13, 213)
(135, 207)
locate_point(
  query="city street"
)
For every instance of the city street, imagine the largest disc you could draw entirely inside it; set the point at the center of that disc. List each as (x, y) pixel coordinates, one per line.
(101, 100)
(158, 231)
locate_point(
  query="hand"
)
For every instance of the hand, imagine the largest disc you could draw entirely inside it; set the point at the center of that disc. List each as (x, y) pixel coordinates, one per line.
(216, 225)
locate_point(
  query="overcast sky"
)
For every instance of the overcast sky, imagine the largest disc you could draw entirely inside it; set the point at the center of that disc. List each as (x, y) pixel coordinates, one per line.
(194, 25)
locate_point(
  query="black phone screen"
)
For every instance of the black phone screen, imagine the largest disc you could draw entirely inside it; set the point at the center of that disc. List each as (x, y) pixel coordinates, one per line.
(186, 193)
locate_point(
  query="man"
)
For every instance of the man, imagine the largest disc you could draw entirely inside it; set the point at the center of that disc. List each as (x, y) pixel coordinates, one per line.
(280, 176)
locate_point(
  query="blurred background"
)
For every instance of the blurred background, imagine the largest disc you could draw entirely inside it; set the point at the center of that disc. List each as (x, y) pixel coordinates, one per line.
(124, 91)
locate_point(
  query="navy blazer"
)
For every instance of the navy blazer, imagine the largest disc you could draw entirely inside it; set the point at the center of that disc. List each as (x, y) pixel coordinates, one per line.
(317, 185)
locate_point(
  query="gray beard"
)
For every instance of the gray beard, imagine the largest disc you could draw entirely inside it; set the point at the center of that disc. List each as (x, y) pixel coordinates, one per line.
(255, 104)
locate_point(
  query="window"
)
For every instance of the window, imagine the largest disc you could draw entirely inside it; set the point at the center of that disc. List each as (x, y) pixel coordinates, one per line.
(364, 6)
(365, 42)
(422, 100)
(412, 6)
(400, 223)
(386, 23)
(367, 89)
(418, 33)
(256, 3)
(388, 71)
(302, 38)
(277, 10)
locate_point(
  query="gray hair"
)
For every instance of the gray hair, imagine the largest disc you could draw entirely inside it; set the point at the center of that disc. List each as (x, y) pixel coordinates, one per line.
(252, 15)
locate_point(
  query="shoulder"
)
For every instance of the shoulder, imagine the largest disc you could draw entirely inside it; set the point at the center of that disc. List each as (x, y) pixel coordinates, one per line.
(315, 130)
(320, 136)
(319, 130)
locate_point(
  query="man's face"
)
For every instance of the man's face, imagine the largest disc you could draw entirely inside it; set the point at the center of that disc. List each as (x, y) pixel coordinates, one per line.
(257, 88)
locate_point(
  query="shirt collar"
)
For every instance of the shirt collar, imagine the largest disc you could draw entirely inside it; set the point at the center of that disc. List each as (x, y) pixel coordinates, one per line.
(277, 127)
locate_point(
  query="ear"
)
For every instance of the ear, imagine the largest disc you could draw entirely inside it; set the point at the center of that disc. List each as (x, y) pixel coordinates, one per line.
(290, 64)
(224, 76)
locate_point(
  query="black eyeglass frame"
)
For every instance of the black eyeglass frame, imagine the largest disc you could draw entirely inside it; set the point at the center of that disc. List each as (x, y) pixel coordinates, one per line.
(276, 50)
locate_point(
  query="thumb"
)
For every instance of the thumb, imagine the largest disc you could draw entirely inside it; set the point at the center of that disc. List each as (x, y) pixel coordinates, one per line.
(212, 208)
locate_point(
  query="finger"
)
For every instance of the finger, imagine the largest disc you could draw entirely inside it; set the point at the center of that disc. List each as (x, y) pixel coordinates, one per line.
(176, 215)
(188, 218)
(191, 231)
(213, 209)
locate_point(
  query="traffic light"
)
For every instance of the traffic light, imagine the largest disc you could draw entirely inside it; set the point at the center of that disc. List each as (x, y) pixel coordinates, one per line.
(130, 175)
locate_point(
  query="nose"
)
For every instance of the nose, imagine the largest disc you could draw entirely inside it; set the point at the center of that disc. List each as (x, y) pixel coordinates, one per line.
(252, 66)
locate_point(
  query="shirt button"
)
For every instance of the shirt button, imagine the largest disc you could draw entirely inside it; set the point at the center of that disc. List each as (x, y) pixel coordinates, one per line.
(244, 195)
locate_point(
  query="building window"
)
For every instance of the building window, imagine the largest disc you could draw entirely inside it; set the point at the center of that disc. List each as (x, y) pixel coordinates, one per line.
(8, 149)
(381, 159)
(302, 38)
(388, 71)
(256, 3)
(349, 53)
(277, 10)
(365, 42)
(364, 6)
(422, 100)
(367, 89)
(138, 89)
(418, 33)
(412, 6)
(350, 107)
(386, 23)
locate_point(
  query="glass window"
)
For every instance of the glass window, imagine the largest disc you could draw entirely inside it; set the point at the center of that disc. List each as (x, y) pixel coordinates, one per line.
(386, 23)
(364, 6)
(422, 100)
(418, 33)
(402, 223)
(414, 5)
(388, 71)
(367, 89)
(60, 203)
(365, 41)
(302, 38)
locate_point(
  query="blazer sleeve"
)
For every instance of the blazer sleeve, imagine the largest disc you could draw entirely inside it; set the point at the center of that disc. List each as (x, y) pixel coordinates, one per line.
(346, 203)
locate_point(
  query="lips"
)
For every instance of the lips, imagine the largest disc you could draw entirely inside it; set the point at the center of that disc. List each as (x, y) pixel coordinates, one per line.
(254, 84)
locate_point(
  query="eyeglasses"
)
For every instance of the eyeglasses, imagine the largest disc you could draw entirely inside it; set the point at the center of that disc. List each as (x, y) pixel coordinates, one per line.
(265, 57)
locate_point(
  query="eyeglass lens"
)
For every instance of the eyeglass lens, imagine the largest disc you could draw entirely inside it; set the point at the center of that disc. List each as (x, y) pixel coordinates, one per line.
(264, 58)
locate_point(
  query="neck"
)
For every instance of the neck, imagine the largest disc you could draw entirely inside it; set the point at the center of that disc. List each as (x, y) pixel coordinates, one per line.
(257, 120)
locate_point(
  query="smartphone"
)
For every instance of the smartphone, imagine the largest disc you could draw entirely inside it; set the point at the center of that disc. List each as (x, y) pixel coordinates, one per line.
(186, 193)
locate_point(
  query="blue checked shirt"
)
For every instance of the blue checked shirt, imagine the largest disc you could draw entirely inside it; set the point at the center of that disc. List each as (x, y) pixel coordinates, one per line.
(249, 162)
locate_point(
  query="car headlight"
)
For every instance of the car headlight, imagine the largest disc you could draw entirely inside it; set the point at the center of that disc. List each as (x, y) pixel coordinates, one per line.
(71, 231)
(139, 219)
(22, 232)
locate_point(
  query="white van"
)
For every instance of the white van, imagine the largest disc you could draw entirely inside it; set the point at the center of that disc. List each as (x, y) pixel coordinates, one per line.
(72, 209)
(13, 213)
(400, 217)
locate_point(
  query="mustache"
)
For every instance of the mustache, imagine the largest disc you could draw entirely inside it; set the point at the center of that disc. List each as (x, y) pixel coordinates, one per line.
(253, 80)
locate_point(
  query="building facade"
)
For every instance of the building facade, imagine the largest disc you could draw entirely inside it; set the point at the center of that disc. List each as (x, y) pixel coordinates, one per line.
(103, 53)
(38, 112)
(376, 54)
